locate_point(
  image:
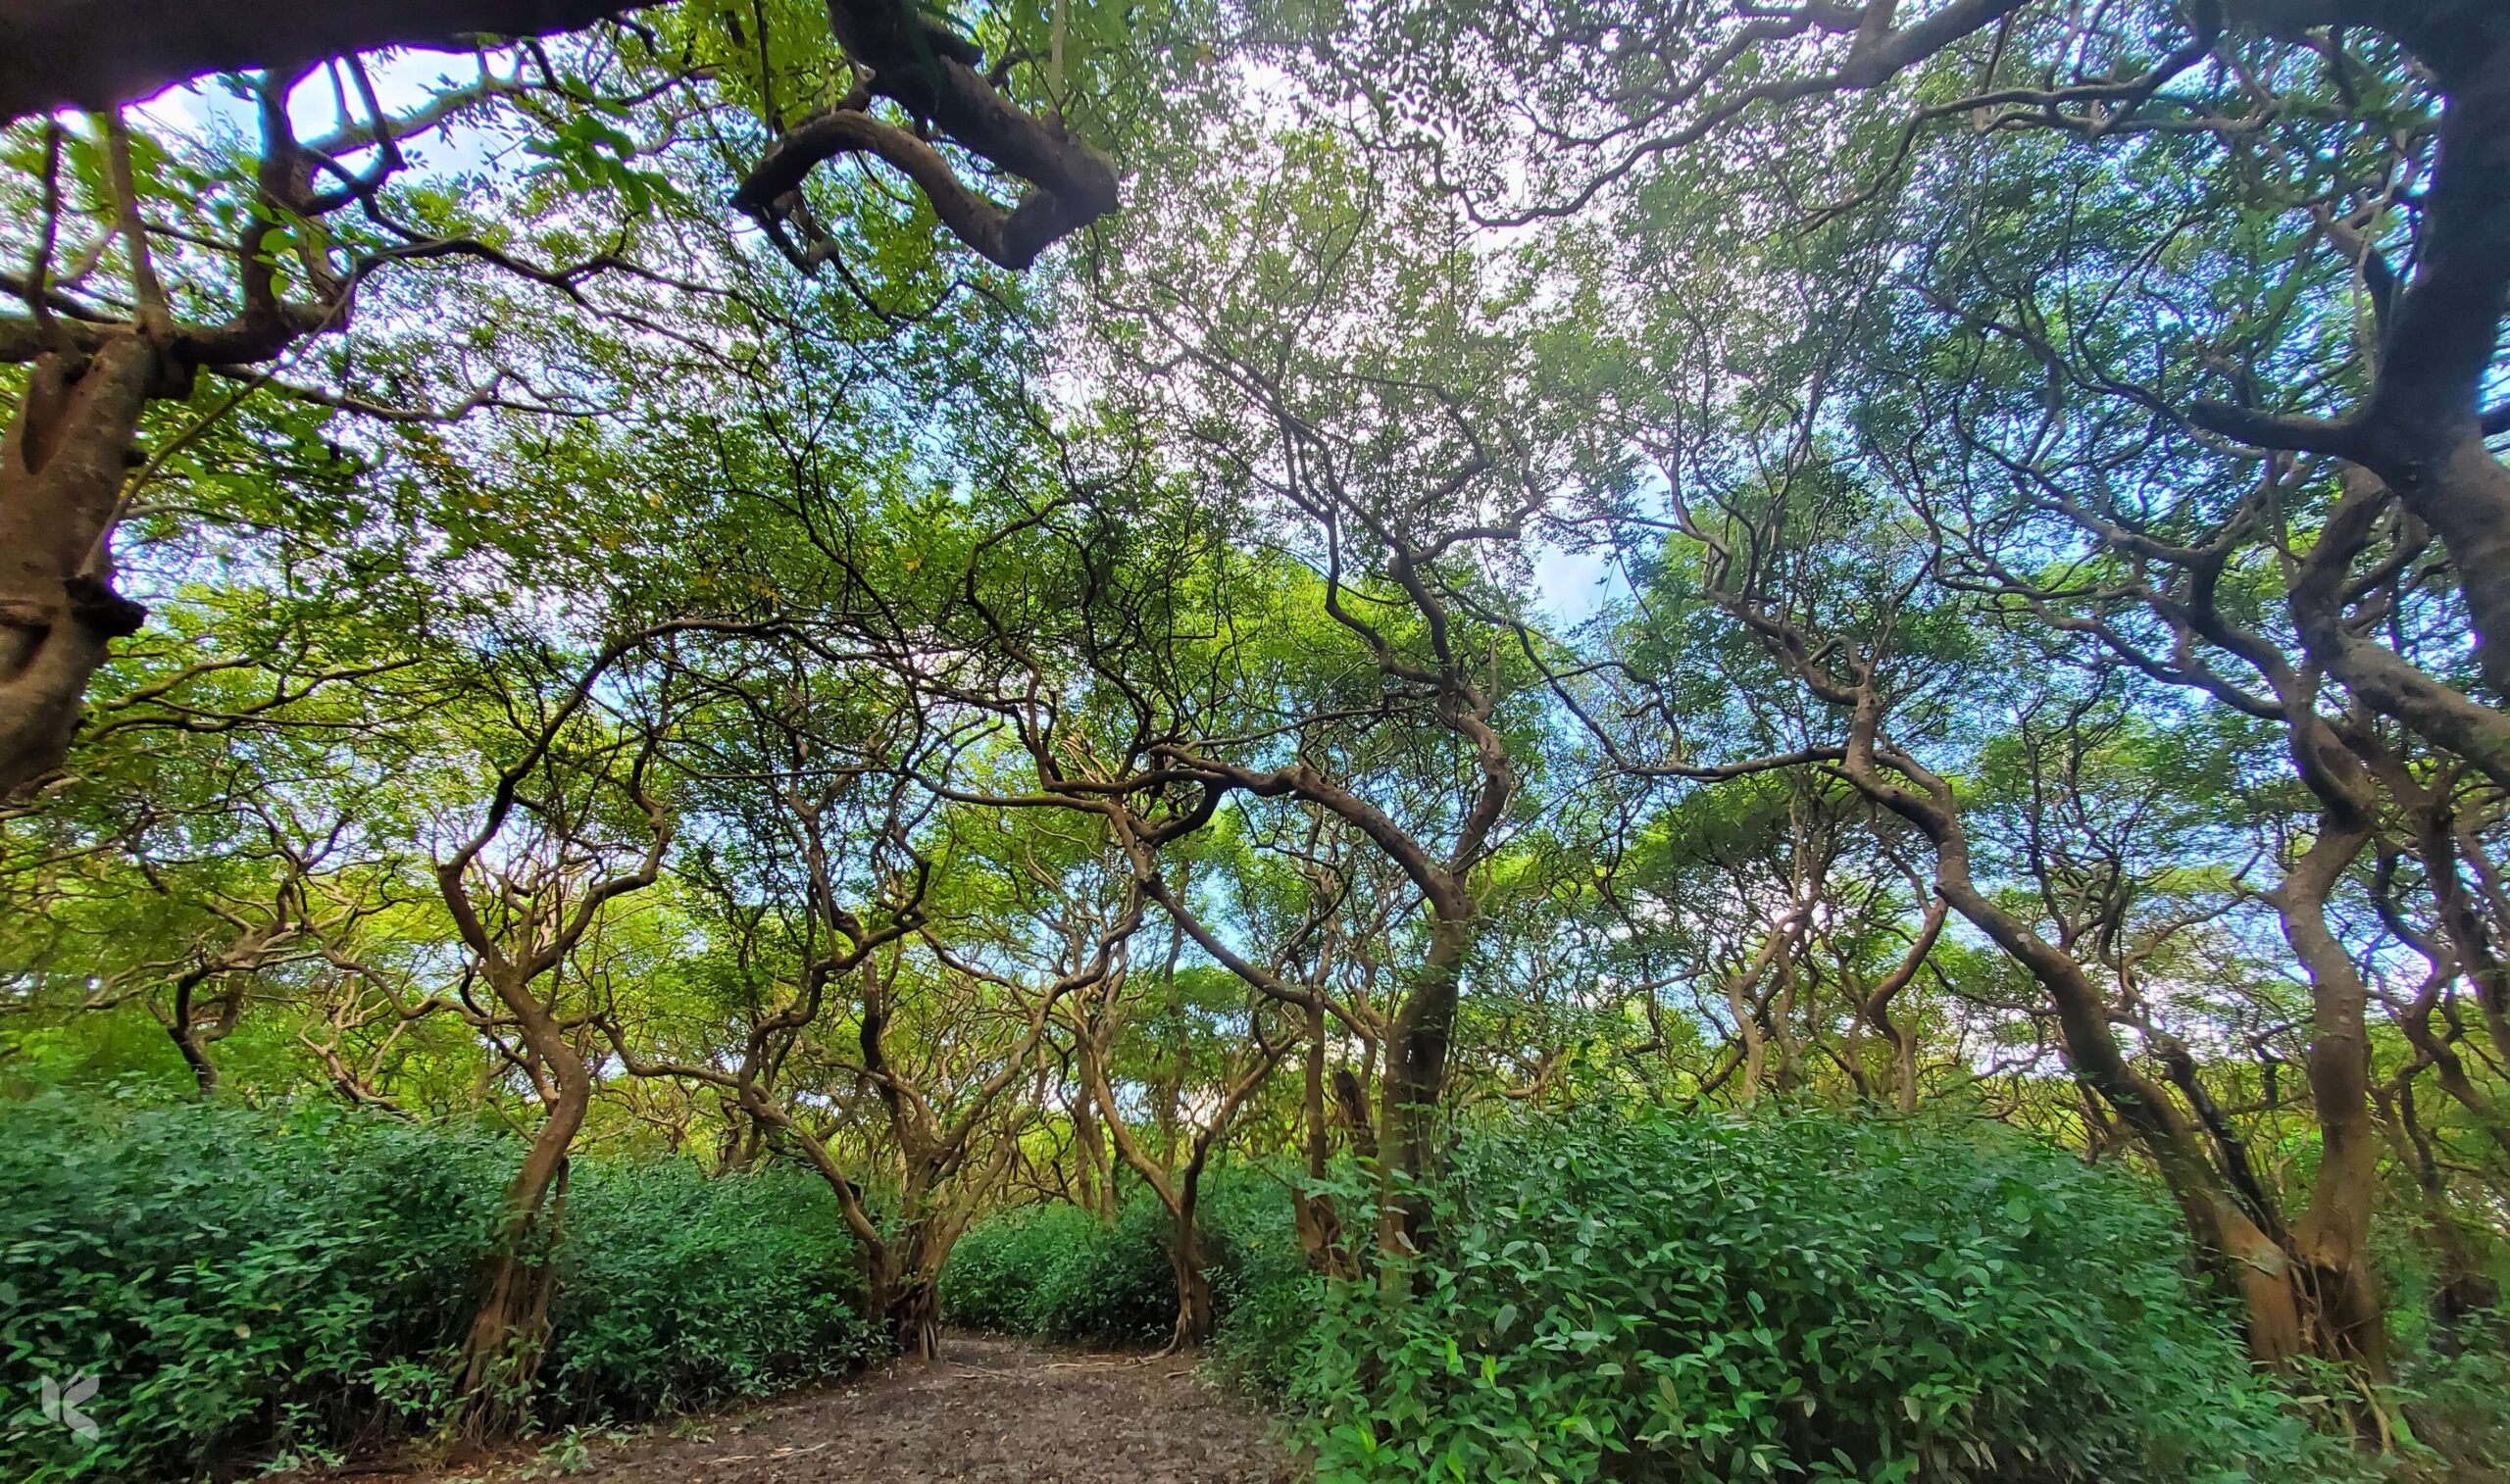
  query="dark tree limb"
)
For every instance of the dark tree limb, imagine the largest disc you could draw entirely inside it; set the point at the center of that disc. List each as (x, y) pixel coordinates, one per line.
(933, 75)
(97, 52)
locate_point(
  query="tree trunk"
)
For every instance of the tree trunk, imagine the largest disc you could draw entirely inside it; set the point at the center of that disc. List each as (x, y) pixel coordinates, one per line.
(2428, 441)
(63, 464)
(906, 1288)
(1197, 1309)
(1351, 1105)
(194, 1049)
(191, 1038)
(912, 1311)
(1084, 1147)
(2338, 1292)
(90, 53)
(191, 1041)
(1874, 1008)
(1415, 1076)
(2421, 429)
(2267, 1282)
(1782, 1023)
(1097, 1171)
(1319, 1229)
(1754, 1068)
(502, 1349)
(904, 1273)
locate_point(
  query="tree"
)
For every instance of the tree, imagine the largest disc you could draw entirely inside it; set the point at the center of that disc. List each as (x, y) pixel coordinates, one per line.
(1620, 97)
(1174, 1170)
(271, 253)
(523, 911)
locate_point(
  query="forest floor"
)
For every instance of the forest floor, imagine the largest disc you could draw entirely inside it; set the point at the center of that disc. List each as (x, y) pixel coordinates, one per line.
(990, 1411)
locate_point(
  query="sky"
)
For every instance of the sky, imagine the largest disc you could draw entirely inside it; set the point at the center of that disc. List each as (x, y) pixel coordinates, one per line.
(1571, 585)
(404, 79)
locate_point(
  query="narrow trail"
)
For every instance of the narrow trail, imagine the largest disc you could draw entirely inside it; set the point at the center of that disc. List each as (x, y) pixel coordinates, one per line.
(990, 1411)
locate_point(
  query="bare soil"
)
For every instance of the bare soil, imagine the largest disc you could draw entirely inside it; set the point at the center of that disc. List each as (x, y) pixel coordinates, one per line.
(990, 1411)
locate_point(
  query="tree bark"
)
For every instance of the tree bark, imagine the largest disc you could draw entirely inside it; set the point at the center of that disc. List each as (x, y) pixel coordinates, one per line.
(1415, 1076)
(63, 464)
(1096, 1179)
(1753, 1070)
(96, 53)
(502, 1349)
(1196, 1306)
(193, 1039)
(1747, 1004)
(1319, 1228)
(2339, 1291)
(2424, 425)
(906, 1282)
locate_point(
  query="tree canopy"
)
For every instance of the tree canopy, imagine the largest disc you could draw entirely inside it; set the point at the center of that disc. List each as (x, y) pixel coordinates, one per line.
(1005, 603)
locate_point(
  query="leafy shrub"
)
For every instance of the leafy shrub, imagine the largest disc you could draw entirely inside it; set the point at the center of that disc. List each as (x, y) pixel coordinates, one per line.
(1059, 1272)
(1117, 1287)
(1267, 1296)
(233, 1280)
(1708, 1298)
(1267, 1321)
(248, 1284)
(2459, 1406)
(991, 1278)
(677, 1289)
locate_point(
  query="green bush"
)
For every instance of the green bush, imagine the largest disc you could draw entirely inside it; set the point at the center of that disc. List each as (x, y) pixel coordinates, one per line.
(1057, 1272)
(2458, 1406)
(677, 1289)
(1116, 1287)
(237, 1282)
(1808, 1295)
(247, 1284)
(992, 1276)
(1268, 1311)
(1269, 1297)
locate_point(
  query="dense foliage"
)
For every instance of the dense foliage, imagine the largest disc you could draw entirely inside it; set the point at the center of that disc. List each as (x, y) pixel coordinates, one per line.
(1068, 1274)
(246, 1285)
(750, 632)
(1705, 1297)
(677, 1288)
(1060, 1273)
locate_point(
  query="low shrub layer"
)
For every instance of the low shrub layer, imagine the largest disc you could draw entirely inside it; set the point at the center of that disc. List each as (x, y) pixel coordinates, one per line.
(249, 1285)
(677, 1288)
(1800, 1296)
(1059, 1272)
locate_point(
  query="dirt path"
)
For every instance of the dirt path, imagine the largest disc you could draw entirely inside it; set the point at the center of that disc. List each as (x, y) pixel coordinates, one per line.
(992, 1412)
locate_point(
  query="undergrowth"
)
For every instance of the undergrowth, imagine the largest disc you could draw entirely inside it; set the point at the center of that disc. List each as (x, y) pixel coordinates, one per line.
(1789, 1295)
(251, 1286)
(1792, 1295)
(1057, 1272)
